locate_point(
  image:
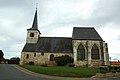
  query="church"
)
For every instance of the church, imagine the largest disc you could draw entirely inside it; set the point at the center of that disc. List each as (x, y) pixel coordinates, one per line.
(86, 47)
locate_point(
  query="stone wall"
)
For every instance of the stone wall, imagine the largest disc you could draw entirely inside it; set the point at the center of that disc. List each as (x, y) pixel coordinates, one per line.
(44, 58)
(40, 58)
(88, 44)
(33, 39)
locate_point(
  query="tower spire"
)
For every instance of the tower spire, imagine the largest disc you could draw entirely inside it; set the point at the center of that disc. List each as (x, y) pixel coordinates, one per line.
(35, 24)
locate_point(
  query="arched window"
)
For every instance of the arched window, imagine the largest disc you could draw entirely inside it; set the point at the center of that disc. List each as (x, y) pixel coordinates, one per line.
(51, 57)
(81, 52)
(95, 52)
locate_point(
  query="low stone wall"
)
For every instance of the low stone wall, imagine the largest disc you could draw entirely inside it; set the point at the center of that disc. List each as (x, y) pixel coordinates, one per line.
(95, 62)
(110, 74)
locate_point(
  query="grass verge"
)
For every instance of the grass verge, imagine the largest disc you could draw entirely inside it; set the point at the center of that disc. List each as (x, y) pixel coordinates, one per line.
(63, 71)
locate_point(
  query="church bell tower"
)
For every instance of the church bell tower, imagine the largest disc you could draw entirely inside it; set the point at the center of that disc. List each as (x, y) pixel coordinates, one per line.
(33, 33)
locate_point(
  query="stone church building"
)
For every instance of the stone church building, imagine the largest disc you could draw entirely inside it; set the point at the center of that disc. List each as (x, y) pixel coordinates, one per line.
(85, 46)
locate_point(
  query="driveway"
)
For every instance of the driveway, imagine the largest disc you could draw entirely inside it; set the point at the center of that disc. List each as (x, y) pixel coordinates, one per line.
(9, 72)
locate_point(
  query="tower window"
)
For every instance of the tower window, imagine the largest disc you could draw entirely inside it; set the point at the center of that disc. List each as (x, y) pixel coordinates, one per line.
(31, 34)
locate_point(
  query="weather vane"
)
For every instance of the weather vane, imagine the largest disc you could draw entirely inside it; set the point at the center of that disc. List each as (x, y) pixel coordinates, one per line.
(36, 6)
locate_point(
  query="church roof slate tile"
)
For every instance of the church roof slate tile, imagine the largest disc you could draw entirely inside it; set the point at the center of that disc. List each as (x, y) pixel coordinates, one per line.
(29, 47)
(85, 33)
(50, 44)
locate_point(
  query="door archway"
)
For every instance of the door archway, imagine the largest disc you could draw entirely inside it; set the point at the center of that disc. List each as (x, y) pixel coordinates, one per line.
(51, 57)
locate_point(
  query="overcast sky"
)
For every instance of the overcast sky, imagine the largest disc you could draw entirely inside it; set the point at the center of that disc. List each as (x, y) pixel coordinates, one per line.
(57, 18)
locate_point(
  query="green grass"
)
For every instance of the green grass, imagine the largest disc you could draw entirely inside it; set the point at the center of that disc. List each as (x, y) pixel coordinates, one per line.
(63, 71)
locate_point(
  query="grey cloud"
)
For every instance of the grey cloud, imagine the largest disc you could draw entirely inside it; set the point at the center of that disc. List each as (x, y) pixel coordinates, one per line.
(118, 38)
(14, 3)
(106, 12)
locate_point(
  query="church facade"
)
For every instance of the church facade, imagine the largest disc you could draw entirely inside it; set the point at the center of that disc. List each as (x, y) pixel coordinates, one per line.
(85, 46)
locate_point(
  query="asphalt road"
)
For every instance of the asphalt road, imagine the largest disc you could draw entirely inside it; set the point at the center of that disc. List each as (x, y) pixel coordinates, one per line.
(8, 72)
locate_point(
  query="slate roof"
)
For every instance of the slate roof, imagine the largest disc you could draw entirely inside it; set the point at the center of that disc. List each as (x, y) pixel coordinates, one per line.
(85, 33)
(29, 47)
(50, 44)
(35, 23)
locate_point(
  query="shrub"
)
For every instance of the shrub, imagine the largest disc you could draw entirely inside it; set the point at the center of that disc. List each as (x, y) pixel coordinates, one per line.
(104, 69)
(14, 60)
(44, 65)
(114, 68)
(113, 71)
(63, 60)
(31, 63)
(71, 64)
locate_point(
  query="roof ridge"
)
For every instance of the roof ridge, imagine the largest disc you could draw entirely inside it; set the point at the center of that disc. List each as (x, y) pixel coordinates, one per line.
(55, 37)
(83, 27)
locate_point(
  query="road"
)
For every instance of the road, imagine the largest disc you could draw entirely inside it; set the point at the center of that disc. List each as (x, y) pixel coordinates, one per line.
(9, 72)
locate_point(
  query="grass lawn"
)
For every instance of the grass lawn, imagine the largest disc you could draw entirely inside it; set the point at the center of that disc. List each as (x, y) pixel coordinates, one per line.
(63, 70)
